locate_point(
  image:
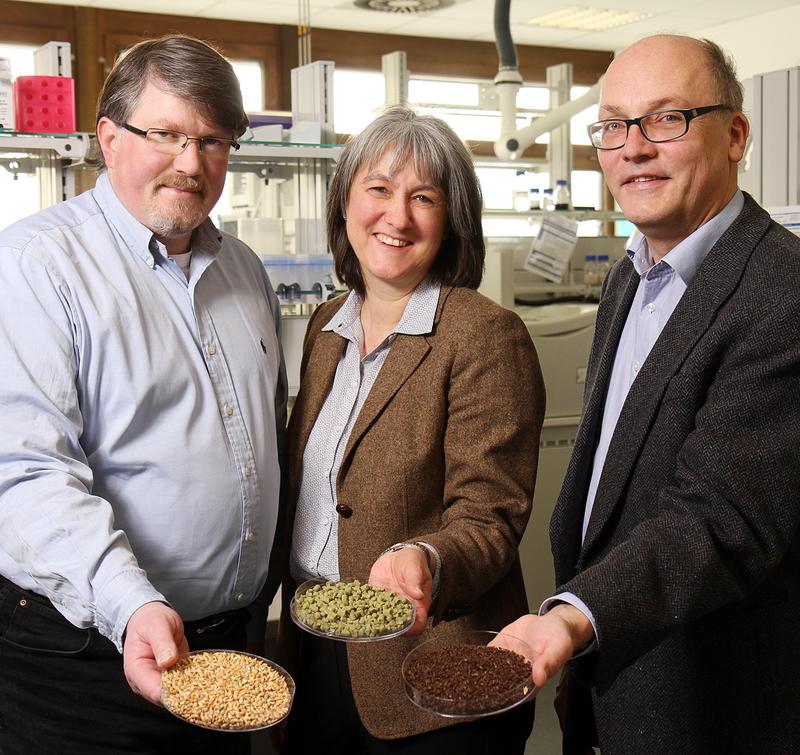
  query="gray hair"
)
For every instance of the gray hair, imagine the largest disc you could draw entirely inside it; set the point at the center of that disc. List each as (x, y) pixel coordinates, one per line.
(723, 71)
(442, 158)
(182, 65)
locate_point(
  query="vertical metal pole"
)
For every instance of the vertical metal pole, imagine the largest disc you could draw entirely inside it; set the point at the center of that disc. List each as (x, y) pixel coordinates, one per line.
(395, 78)
(559, 151)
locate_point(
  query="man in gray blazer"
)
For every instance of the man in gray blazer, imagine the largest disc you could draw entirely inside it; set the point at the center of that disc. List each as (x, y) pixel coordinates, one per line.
(675, 537)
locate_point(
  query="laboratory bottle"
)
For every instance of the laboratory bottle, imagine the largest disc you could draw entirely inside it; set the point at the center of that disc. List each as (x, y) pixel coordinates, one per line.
(521, 201)
(562, 199)
(603, 266)
(535, 200)
(6, 95)
(547, 200)
(589, 269)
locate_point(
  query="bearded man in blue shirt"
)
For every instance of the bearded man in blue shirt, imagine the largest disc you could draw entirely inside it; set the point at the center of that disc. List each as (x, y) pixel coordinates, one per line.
(144, 399)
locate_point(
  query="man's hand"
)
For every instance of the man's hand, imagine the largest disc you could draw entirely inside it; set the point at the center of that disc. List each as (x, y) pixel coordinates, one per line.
(554, 638)
(406, 571)
(154, 641)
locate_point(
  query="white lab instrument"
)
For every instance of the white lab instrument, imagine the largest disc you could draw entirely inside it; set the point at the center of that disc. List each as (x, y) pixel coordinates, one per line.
(562, 334)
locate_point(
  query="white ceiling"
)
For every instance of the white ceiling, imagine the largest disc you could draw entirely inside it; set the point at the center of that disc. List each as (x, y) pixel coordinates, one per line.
(468, 19)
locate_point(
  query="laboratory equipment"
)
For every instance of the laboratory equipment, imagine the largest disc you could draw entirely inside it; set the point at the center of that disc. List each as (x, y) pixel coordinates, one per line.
(6, 95)
(561, 196)
(520, 188)
(771, 168)
(562, 334)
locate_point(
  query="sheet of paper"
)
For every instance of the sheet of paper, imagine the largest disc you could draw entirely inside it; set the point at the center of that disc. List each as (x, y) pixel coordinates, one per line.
(552, 248)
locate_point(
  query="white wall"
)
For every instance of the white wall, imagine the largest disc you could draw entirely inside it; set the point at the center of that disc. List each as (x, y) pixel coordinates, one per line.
(759, 44)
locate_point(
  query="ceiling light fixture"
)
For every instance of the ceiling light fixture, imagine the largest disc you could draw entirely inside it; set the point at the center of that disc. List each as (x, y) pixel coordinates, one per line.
(402, 6)
(587, 19)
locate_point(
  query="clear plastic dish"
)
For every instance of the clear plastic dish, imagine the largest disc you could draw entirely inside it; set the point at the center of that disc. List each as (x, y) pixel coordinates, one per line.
(435, 679)
(196, 701)
(296, 613)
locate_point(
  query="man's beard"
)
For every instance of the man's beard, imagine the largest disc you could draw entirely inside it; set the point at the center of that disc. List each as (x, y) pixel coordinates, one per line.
(176, 217)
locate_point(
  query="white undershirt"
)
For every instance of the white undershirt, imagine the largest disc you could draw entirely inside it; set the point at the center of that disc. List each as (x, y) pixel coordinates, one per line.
(183, 261)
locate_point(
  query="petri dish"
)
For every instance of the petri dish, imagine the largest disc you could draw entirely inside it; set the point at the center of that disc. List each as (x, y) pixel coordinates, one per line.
(342, 628)
(227, 690)
(469, 674)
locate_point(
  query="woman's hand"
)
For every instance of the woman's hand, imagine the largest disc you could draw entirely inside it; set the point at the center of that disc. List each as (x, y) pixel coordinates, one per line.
(406, 571)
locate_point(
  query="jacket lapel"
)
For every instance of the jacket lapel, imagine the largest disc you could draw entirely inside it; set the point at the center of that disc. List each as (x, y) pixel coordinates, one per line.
(567, 520)
(711, 287)
(404, 357)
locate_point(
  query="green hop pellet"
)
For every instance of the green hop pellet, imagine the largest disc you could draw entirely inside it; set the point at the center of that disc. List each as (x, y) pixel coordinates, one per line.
(352, 609)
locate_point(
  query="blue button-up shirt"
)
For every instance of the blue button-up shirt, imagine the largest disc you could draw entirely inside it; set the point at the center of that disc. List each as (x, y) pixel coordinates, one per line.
(315, 543)
(141, 415)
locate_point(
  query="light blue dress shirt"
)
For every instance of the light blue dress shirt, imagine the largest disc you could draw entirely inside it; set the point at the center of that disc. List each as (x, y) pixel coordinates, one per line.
(661, 286)
(141, 416)
(315, 541)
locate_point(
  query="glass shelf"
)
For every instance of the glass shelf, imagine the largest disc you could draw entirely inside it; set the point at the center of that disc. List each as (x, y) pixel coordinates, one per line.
(74, 147)
(70, 146)
(538, 214)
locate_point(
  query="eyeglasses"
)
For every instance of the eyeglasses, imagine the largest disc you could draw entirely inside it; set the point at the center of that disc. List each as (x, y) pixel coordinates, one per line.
(661, 126)
(174, 142)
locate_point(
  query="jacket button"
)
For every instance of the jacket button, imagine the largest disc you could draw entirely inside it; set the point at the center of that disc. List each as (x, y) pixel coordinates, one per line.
(344, 510)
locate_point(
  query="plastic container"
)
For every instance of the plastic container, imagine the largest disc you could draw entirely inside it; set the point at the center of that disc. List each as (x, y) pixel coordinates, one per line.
(521, 201)
(45, 104)
(6, 95)
(603, 266)
(561, 196)
(590, 270)
(547, 200)
(174, 705)
(455, 705)
(534, 199)
(295, 613)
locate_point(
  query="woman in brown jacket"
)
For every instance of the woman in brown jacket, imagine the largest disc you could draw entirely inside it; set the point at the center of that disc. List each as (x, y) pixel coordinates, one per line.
(412, 444)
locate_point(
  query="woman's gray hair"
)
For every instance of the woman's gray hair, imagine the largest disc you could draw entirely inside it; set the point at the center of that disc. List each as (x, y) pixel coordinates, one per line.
(183, 66)
(441, 158)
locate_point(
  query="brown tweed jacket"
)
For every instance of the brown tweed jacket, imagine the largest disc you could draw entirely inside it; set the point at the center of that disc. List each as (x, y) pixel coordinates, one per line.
(444, 450)
(691, 561)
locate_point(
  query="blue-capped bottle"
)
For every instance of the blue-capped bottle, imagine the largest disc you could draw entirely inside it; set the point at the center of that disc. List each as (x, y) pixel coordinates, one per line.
(521, 201)
(561, 197)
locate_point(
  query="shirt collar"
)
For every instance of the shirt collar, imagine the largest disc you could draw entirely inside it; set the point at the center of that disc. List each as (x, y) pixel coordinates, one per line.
(417, 319)
(686, 258)
(206, 239)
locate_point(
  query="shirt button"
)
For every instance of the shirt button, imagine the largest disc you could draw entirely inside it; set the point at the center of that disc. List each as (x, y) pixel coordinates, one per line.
(211, 350)
(636, 366)
(326, 520)
(240, 597)
(344, 510)
(247, 471)
(651, 308)
(249, 535)
(228, 410)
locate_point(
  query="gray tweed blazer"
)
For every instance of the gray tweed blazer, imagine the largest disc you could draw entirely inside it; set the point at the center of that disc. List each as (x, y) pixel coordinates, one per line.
(444, 450)
(690, 562)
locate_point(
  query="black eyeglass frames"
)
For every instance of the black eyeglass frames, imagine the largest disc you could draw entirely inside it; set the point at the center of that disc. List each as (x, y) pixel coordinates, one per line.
(174, 142)
(661, 126)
